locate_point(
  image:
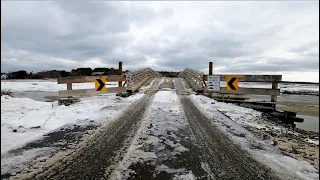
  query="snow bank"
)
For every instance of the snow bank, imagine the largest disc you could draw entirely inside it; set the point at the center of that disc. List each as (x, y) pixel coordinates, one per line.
(262, 150)
(32, 119)
(42, 85)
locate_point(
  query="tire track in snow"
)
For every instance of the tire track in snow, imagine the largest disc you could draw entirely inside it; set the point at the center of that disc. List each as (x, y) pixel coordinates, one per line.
(164, 147)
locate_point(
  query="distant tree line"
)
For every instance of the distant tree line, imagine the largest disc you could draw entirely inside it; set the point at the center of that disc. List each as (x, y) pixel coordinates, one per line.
(22, 74)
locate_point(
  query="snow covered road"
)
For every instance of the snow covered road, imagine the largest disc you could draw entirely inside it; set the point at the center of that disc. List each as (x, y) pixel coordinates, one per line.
(166, 134)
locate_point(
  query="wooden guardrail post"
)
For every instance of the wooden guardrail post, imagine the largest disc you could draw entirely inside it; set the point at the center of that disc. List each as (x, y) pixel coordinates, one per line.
(274, 97)
(120, 73)
(69, 86)
(210, 73)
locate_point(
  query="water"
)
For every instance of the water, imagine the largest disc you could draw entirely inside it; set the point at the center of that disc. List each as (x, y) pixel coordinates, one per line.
(35, 95)
(310, 123)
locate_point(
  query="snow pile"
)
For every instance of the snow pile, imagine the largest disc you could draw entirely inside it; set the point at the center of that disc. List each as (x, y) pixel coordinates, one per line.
(230, 119)
(241, 115)
(41, 85)
(302, 89)
(158, 131)
(24, 120)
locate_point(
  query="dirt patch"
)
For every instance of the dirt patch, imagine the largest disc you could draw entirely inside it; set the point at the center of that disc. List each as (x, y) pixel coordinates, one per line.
(302, 108)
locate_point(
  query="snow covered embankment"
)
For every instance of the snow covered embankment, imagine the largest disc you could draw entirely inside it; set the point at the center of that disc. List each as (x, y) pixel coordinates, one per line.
(24, 120)
(235, 118)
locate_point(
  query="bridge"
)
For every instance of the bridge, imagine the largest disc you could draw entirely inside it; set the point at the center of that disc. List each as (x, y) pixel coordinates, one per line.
(166, 134)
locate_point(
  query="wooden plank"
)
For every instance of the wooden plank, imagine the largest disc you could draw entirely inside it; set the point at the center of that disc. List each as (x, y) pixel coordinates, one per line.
(249, 78)
(192, 83)
(89, 92)
(256, 91)
(84, 79)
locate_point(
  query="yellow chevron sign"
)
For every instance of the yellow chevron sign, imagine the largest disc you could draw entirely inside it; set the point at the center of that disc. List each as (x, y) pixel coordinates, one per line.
(100, 84)
(232, 83)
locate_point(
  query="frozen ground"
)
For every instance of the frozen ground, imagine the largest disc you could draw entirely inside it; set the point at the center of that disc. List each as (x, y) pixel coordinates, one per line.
(45, 85)
(24, 120)
(233, 122)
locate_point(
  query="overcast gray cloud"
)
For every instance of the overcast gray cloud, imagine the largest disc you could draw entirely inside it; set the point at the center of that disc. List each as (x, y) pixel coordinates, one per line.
(239, 37)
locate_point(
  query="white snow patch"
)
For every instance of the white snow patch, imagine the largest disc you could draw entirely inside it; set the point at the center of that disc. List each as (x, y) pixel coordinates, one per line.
(313, 141)
(180, 174)
(188, 176)
(169, 170)
(241, 115)
(26, 156)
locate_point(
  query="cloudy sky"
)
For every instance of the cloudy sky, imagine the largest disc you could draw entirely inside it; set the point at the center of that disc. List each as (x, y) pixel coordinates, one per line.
(238, 36)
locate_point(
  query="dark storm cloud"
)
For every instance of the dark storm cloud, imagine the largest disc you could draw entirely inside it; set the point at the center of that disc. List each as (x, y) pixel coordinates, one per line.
(238, 37)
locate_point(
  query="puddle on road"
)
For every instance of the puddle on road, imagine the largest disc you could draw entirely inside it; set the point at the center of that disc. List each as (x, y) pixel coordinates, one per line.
(35, 95)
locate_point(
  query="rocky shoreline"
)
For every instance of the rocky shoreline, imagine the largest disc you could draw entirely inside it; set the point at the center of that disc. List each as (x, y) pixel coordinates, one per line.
(294, 142)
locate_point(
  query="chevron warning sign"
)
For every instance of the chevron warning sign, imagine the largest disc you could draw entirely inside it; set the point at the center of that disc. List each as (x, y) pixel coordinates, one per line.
(232, 83)
(100, 84)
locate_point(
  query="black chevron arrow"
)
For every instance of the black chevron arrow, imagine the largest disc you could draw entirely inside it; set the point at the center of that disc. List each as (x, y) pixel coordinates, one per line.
(101, 84)
(230, 83)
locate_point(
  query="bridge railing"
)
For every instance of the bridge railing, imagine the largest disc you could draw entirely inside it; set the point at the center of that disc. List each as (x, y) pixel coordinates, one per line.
(133, 81)
(197, 81)
(136, 79)
(85, 79)
(194, 78)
